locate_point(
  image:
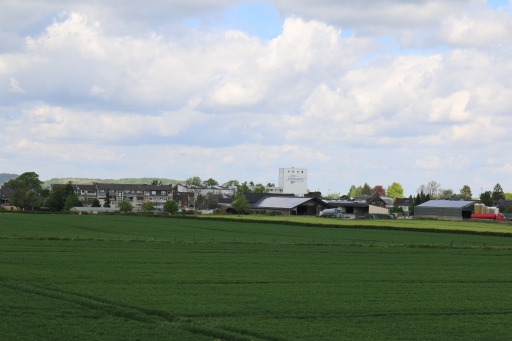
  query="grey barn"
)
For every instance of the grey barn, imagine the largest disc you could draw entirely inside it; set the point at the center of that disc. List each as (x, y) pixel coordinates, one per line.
(445, 209)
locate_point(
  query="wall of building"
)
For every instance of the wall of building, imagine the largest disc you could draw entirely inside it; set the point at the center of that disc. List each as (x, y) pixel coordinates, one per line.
(293, 180)
(377, 210)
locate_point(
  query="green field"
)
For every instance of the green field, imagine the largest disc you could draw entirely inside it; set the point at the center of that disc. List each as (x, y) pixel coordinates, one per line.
(472, 226)
(120, 277)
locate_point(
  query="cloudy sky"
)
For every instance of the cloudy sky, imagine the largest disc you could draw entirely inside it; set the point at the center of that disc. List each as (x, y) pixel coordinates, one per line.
(355, 91)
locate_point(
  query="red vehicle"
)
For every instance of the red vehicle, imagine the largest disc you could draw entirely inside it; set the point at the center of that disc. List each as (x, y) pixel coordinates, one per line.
(488, 216)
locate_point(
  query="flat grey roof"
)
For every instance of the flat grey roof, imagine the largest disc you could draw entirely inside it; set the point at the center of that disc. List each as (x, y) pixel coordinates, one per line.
(95, 209)
(447, 203)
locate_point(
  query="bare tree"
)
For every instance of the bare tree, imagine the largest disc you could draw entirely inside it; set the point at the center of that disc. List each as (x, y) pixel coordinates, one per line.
(432, 188)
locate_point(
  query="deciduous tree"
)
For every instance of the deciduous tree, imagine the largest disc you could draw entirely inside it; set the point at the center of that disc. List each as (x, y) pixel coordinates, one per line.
(240, 204)
(465, 192)
(379, 190)
(25, 180)
(72, 201)
(57, 198)
(446, 194)
(395, 190)
(210, 182)
(486, 198)
(147, 207)
(194, 181)
(125, 206)
(171, 206)
(497, 193)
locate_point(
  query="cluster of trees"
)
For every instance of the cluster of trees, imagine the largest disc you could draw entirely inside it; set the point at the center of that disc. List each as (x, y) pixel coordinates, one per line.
(28, 193)
(395, 190)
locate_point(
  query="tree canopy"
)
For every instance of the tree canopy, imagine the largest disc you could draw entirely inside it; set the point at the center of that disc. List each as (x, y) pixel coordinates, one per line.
(171, 206)
(25, 180)
(497, 193)
(486, 198)
(395, 190)
(379, 190)
(240, 203)
(465, 192)
(194, 181)
(57, 198)
(125, 206)
(210, 182)
(367, 190)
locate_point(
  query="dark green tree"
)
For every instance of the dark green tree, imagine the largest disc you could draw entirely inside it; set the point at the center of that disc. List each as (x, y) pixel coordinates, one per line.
(96, 203)
(72, 201)
(31, 200)
(25, 180)
(367, 190)
(107, 199)
(486, 198)
(497, 193)
(18, 197)
(57, 197)
(156, 183)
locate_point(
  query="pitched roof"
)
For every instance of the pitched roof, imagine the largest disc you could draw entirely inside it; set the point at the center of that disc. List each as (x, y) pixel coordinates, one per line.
(286, 203)
(447, 204)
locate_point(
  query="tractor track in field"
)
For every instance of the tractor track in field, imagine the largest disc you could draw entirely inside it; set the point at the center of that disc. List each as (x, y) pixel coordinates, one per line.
(139, 314)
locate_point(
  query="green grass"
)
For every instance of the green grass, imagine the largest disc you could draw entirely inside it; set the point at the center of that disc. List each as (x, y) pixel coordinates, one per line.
(472, 226)
(234, 283)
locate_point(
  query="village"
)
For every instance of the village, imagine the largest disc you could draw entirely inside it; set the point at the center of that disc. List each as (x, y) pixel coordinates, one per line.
(290, 197)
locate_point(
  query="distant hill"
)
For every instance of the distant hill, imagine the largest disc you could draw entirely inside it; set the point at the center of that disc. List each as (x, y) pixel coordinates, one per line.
(4, 177)
(87, 181)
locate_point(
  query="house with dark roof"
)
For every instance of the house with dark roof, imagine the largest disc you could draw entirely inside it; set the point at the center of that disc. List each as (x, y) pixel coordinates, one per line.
(5, 195)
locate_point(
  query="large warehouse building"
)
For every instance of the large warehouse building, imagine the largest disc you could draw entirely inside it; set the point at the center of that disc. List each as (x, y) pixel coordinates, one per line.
(445, 209)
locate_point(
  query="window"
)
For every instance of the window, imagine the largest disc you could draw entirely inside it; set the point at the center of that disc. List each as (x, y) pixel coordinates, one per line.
(153, 192)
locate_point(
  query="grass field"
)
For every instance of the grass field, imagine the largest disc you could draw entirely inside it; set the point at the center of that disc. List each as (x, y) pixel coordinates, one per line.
(87, 278)
(474, 226)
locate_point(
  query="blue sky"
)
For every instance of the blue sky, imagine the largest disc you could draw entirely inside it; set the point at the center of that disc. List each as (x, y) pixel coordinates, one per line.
(354, 91)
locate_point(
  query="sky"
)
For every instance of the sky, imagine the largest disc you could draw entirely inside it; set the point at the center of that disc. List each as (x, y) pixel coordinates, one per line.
(354, 91)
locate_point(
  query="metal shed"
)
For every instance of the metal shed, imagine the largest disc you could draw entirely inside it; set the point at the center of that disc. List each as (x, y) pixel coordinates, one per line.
(445, 209)
(291, 206)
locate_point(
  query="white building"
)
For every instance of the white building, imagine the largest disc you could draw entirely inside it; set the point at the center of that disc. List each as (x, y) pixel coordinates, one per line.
(291, 181)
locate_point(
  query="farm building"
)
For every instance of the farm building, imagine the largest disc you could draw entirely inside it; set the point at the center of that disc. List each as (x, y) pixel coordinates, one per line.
(290, 205)
(445, 209)
(368, 204)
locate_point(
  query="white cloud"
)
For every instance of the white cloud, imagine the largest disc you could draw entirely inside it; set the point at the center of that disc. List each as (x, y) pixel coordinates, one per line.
(15, 86)
(227, 104)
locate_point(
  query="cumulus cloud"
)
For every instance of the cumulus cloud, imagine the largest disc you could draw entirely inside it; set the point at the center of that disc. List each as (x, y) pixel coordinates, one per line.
(192, 101)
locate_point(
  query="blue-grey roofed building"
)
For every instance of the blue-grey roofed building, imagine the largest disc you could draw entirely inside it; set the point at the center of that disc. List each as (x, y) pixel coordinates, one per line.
(445, 209)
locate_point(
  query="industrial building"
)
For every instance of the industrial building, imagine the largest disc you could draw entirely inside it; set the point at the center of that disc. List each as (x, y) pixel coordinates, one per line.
(445, 209)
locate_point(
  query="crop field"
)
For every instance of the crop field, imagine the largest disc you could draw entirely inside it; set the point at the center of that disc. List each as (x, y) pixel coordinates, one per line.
(473, 226)
(66, 277)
